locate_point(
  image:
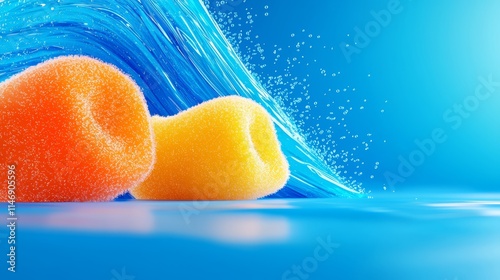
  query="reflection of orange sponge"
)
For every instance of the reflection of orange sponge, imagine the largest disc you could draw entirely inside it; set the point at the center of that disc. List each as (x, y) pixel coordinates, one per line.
(223, 149)
(76, 129)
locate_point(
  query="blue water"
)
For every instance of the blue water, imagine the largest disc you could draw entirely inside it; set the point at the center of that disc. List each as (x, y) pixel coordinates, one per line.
(404, 237)
(173, 50)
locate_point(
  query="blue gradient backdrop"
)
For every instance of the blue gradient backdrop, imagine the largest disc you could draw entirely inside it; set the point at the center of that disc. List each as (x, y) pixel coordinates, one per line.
(427, 58)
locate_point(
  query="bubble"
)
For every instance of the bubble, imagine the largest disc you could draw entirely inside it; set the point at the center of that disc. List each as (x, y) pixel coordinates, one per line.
(294, 83)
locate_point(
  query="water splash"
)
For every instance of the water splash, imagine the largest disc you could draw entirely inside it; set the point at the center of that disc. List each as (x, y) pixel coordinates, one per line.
(175, 52)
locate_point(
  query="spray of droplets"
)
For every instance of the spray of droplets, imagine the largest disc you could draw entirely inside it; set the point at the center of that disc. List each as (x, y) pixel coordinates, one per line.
(322, 114)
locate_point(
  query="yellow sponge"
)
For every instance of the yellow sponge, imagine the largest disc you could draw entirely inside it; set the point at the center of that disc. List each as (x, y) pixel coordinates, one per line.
(223, 149)
(73, 129)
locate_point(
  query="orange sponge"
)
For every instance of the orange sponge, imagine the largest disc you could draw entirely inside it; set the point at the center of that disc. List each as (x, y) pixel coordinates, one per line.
(76, 129)
(223, 149)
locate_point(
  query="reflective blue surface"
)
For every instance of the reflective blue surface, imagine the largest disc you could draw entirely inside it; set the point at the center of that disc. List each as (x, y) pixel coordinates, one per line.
(397, 237)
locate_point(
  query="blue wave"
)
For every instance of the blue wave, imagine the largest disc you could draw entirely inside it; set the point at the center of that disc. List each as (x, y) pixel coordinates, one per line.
(175, 52)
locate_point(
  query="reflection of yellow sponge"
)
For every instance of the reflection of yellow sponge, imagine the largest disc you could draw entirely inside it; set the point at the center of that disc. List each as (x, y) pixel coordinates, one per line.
(223, 149)
(77, 129)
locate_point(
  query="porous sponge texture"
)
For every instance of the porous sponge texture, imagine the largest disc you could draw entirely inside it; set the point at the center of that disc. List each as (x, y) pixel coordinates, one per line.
(223, 149)
(77, 129)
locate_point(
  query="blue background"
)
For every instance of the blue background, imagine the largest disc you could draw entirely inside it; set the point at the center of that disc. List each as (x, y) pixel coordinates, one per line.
(428, 58)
